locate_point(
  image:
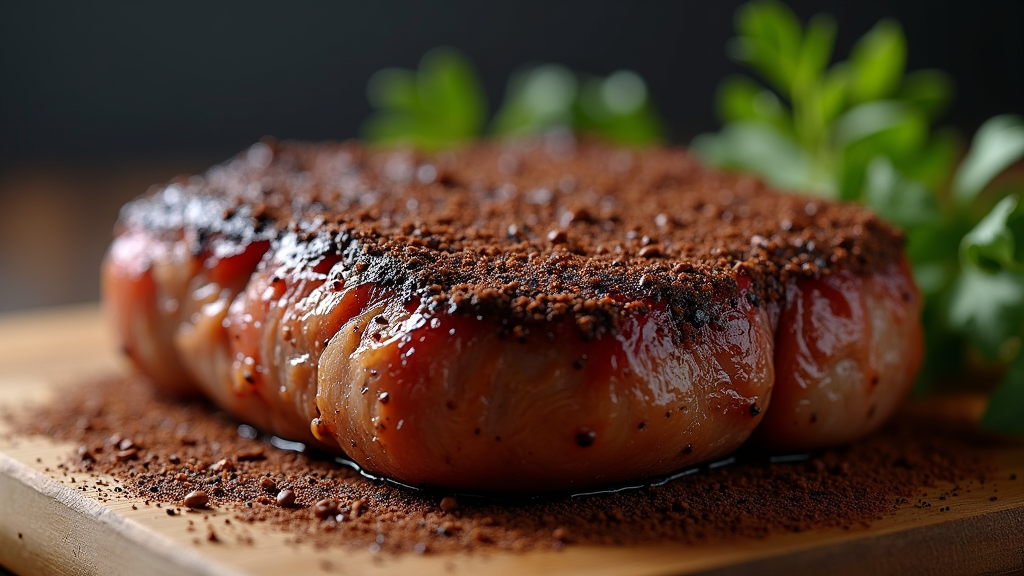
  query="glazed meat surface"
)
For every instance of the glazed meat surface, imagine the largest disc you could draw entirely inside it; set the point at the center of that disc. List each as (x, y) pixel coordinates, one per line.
(515, 316)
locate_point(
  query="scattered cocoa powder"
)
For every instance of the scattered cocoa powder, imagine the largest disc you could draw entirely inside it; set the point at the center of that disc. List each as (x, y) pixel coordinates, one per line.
(448, 503)
(325, 508)
(196, 499)
(285, 498)
(325, 503)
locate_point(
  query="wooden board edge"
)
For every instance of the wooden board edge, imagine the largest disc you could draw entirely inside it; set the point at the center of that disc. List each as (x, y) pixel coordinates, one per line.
(989, 543)
(82, 536)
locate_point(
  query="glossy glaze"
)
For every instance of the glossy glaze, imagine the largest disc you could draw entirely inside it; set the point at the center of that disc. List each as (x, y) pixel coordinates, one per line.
(443, 400)
(847, 351)
(289, 341)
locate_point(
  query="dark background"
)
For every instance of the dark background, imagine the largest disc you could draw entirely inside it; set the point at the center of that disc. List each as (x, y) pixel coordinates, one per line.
(99, 100)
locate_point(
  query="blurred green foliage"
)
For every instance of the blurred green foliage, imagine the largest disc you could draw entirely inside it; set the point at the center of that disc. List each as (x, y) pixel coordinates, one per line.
(442, 104)
(439, 104)
(615, 108)
(862, 130)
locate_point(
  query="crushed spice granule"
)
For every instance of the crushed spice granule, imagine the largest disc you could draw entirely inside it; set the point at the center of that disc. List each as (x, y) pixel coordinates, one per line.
(326, 504)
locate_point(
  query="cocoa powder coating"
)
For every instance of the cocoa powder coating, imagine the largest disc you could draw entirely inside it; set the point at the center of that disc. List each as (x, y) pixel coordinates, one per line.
(524, 232)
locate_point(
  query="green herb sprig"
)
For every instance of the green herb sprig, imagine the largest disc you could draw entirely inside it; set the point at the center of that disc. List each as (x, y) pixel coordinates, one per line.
(443, 104)
(862, 130)
(438, 105)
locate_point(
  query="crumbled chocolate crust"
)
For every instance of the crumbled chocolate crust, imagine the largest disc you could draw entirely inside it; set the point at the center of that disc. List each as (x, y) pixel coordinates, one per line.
(525, 232)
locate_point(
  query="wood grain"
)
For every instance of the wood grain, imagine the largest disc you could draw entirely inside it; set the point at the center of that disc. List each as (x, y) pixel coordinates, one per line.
(56, 523)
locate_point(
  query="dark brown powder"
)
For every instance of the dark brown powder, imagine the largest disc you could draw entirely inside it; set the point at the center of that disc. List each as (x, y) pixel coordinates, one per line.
(526, 232)
(183, 448)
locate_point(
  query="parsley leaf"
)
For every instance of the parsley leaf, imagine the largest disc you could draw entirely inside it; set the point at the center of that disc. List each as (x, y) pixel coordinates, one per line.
(440, 104)
(876, 63)
(537, 99)
(1004, 408)
(988, 307)
(995, 243)
(616, 107)
(998, 143)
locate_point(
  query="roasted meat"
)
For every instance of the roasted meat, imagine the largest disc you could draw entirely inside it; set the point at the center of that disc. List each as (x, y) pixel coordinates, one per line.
(515, 316)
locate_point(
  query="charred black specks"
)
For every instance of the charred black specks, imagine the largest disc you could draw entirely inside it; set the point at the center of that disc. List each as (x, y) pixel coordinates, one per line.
(585, 437)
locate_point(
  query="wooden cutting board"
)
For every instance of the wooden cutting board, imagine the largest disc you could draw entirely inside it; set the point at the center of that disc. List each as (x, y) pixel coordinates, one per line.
(54, 523)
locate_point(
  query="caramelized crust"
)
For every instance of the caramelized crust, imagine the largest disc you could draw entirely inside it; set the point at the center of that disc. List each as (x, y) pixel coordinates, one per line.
(524, 233)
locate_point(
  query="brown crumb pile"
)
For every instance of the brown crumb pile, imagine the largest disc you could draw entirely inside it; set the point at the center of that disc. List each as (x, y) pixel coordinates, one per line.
(189, 455)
